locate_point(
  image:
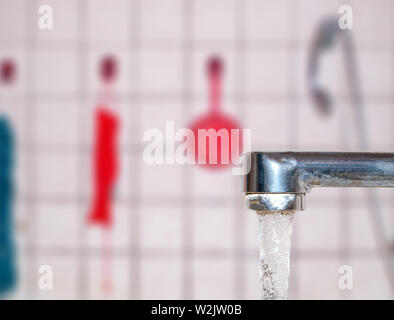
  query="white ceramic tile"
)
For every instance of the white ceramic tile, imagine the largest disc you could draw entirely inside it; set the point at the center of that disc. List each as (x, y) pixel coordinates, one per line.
(123, 184)
(160, 71)
(252, 279)
(57, 174)
(268, 20)
(214, 20)
(362, 235)
(267, 72)
(57, 124)
(95, 235)
(86, 171)
(324, 195)
(385, 194)
(108, 22)
(156, 115)
(57, 226)
(378, 117)
(318, 132)
(52, 77)
(161, 278)
(375, 68)
(213, 279)
(64, 271)
(269, 125)
(373, 21)
(388, 217)
(213, 227)
(65, 22)
(161, 20)
(369, 280)
(350, 126)
(318, 279)
(161, 180)
(12, 21)
(319, 226)
(21, 177)
(211, 183)
(161, 228)
(120, 230)
(251, 230)
(293, 280)
(118, 276)
(20, 220)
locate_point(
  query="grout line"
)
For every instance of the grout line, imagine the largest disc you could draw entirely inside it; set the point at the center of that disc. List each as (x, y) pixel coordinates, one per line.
(30, 105)
(199, 253)
(187, 257)
(135, 174)
(82, 274)
(261, 45)
(240, 274)
(175, 96)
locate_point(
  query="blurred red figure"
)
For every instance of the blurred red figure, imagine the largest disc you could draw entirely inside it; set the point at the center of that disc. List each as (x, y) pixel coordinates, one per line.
(105, 153)
(105, 164)
(108, 69)
(216, 119)
(7, 71)
(105, 167)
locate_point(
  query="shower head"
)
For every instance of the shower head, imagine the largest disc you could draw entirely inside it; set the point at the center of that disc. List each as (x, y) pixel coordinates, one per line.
(327, 33)
(279, 181)
(325, 39)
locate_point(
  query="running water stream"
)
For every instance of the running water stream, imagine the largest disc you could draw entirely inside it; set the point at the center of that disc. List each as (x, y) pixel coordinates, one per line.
(274, 234)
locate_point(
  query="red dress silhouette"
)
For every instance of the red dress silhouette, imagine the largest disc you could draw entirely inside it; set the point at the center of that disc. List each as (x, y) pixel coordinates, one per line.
(105, 166)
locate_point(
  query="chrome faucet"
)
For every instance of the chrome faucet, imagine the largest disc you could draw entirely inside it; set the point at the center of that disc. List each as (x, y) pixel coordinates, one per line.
(279, 181)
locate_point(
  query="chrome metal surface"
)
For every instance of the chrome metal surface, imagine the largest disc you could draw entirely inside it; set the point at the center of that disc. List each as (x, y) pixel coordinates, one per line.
(298, 172)
(275, 202)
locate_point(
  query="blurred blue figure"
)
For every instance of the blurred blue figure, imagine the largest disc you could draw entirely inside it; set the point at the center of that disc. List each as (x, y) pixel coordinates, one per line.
(7, 264)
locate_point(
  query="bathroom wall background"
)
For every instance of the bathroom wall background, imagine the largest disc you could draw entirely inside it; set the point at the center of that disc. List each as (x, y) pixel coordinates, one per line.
(183, 232)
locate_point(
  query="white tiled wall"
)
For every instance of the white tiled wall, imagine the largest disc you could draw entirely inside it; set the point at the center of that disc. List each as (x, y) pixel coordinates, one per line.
(182, 232)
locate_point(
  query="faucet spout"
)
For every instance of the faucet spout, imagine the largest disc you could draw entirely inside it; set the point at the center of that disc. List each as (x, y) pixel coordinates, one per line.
(278, 181)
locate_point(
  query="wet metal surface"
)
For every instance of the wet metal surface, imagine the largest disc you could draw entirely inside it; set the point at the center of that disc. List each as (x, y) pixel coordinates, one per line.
(298, 172)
